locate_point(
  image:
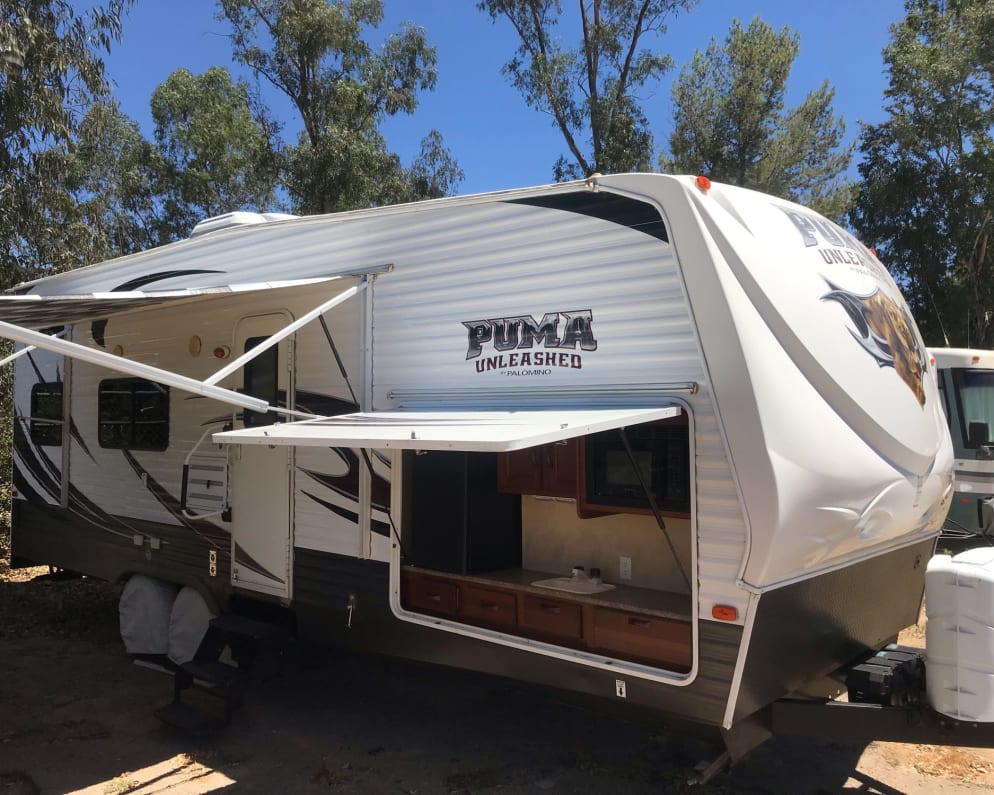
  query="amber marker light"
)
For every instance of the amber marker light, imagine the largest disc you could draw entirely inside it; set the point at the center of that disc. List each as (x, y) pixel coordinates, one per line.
(724, 613)
(703, 182)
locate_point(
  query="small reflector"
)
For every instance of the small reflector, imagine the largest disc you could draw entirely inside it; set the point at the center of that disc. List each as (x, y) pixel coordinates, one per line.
(873, 251)
(724, 612)
(976, 359)
(222, 352)
(965, 499)
(703, 182)
(932, 361)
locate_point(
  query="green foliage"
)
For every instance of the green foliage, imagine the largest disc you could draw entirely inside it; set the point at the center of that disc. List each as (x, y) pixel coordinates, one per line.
(6, 445)
(926, 202)
(213, 155)
(113, 175)
(731, 122)
(313, 51)
(590, 91)
(50, 73)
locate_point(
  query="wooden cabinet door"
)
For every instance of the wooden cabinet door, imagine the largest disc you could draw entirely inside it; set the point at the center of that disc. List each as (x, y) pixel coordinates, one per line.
(549, 470)
(559, 474)
(428, 594)
(487, 606)
(552, 617)
(520, 472)
(642, 636)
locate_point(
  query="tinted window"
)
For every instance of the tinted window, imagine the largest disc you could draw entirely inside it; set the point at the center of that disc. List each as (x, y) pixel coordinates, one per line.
(975, 397)
(262, 381)
(133, 414)
(46, 413)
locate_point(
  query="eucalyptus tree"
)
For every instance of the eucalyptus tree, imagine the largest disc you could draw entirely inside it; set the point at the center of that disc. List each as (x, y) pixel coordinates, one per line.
(51, 73)
(592, 90)
(926, 201)
(314, 52)
(214, 154)
(732, 123)
(114, 175)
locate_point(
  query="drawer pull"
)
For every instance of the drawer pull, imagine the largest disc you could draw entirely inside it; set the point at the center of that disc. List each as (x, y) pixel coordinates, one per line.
(490, 606)
(556, 609)
(435, 597)
(639, 622)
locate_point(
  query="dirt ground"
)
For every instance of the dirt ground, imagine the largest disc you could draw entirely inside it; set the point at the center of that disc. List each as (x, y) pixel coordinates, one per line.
(76, 716)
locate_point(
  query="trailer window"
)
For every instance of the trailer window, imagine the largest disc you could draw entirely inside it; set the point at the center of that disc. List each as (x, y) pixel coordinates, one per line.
(45, 426)
(133, 414)
(975, 397)
(261, 381)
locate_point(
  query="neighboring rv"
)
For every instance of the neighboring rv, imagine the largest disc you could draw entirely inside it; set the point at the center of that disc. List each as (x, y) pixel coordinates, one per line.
(966, 383)
(639, 436)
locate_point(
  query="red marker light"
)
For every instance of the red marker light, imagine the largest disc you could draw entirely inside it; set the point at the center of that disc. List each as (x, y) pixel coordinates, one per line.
(703, 182)
(221, 352)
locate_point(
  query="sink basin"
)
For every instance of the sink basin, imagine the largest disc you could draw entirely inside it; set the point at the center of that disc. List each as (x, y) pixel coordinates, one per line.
(578, 585)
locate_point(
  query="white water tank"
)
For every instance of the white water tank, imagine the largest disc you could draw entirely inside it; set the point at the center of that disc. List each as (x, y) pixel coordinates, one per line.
(959, 635)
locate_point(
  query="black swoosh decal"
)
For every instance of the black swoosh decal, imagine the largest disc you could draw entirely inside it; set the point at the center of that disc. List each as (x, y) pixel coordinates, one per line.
(148, 278)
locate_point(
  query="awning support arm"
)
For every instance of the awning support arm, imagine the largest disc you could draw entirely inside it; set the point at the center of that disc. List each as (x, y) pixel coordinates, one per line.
(285, 332)
(26, 349)
(103, 359)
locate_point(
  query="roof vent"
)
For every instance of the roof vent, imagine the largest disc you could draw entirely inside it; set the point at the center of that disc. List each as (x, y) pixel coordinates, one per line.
(235, 219)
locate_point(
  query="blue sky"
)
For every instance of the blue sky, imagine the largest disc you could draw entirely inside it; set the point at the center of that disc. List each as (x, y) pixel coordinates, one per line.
(499, 142)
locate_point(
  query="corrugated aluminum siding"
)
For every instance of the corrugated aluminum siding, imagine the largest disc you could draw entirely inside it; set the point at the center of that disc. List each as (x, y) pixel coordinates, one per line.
(510, 260)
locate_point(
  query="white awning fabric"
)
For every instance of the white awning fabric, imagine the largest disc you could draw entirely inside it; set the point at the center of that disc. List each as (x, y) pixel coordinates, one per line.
(481, 431)
(36, 311)
(33, 338)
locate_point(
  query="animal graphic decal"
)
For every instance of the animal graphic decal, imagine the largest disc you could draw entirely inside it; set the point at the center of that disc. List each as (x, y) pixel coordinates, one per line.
(885, 331)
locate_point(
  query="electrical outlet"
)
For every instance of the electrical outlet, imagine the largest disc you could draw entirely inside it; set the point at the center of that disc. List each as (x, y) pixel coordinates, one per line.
(625, 568)
(619, 688)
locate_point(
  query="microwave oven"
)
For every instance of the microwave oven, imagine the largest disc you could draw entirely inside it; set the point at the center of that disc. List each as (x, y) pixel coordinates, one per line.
(662, 454)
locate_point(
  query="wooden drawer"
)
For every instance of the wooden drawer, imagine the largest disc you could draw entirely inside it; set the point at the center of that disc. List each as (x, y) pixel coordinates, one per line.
(551, 617)
(429, 594)
(642, 636)
(487, 606)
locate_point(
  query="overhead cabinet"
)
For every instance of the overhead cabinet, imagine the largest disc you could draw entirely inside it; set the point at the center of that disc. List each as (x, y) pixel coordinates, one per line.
(549, 470)
(597, 469)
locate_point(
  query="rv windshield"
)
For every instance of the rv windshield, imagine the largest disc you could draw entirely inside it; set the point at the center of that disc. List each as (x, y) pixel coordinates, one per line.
(975, 395)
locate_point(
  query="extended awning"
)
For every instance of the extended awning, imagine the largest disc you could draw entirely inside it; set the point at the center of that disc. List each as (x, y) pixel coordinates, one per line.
(207, 387)
(36, 311)
(481, 431)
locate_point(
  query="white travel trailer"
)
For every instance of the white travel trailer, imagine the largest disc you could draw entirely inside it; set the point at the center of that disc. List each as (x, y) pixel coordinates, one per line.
(966, 384)
(639, 436)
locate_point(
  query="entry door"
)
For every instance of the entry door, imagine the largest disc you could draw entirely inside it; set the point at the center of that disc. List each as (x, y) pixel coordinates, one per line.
(260, 477)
